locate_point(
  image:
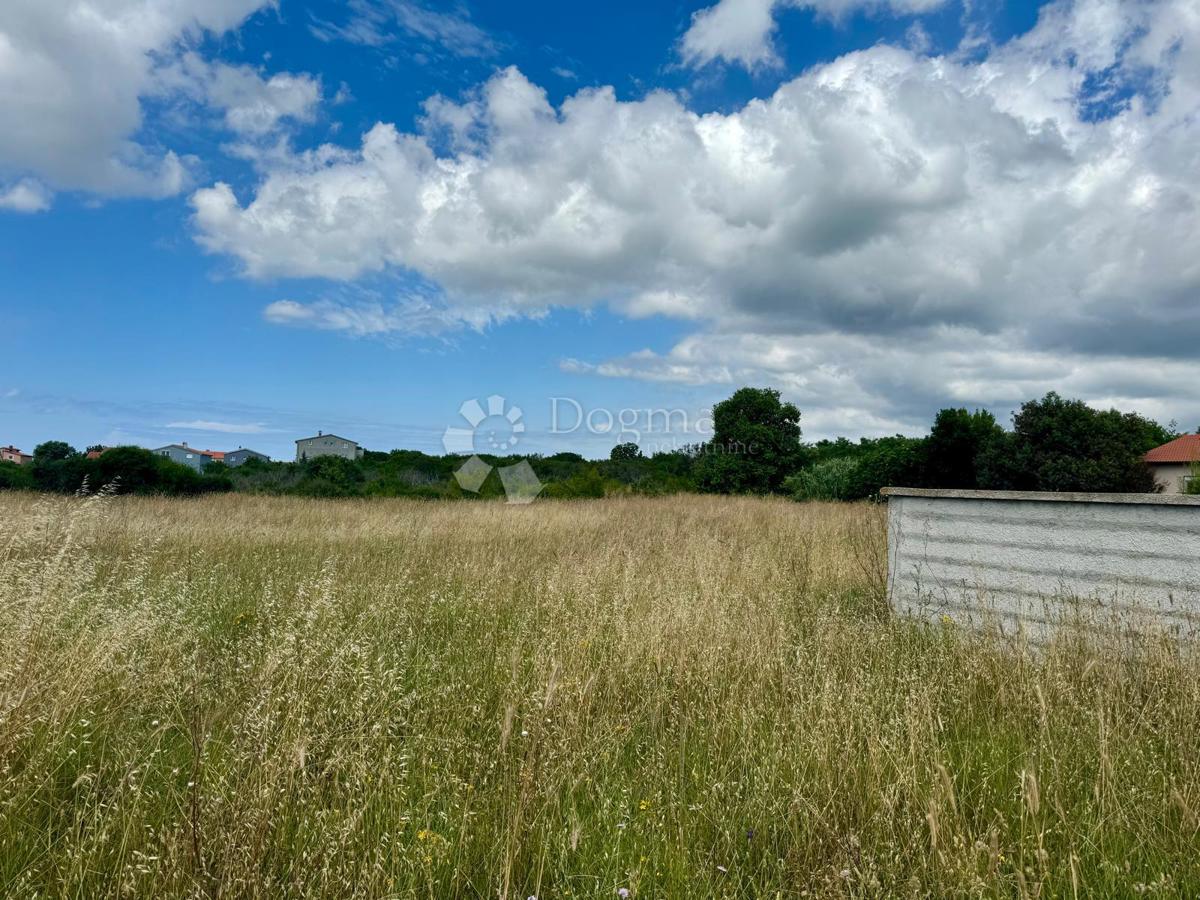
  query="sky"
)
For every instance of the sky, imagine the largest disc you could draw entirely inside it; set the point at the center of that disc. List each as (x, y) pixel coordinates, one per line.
(239, 222)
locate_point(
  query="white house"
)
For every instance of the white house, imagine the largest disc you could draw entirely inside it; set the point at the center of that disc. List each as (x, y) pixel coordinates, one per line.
(1175, 463)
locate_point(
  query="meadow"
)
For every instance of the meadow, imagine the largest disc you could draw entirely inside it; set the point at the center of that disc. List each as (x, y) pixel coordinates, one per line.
(685, 697)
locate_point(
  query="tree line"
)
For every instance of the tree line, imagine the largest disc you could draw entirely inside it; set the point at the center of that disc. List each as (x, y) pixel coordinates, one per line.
(1055, 444)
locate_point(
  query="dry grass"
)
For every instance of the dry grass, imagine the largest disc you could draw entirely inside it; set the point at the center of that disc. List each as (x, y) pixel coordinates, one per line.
(686, 697)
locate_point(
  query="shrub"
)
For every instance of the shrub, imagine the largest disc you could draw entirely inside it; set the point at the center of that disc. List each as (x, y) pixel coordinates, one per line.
(15, 477)
(833, 479)
(586, 484)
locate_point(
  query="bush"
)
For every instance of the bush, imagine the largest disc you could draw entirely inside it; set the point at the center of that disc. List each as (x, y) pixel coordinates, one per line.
(896, 461)
(14, 477)
(134, 470)
(833, 479)
(587, 484)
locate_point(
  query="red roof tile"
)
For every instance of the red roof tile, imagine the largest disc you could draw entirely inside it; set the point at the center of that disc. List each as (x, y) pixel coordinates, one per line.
(1184, 449)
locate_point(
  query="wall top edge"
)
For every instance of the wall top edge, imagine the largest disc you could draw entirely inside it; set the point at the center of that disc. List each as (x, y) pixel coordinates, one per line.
(1046, 496)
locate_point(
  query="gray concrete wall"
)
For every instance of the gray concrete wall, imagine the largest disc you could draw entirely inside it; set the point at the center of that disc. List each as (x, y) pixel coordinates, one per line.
(1018, 560)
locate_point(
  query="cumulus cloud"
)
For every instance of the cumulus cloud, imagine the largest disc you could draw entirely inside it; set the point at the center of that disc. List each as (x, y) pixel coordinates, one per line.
(72, 77)
(1040, 201)
(742, 31)
(26, 196)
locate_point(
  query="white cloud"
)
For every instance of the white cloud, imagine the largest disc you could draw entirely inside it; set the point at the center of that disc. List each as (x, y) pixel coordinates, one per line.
(886, 197)
(26, 196)
(72, 77)
(857, 384)
(734, 30)
(250, 104)
(222, 427)
(377, 23)
(742, 31)
(368, 316)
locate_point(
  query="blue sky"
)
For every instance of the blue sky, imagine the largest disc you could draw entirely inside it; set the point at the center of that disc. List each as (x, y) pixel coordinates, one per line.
(235, 223)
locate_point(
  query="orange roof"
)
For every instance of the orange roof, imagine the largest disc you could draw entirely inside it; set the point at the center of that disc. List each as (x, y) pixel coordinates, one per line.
(217, 455)
(1184, 449)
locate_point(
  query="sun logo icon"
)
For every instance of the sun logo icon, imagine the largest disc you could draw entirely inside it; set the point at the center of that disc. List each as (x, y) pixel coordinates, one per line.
(499, 426)
(496, 429)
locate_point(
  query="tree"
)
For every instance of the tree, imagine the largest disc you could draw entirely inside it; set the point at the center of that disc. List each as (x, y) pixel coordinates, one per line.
(755, 444)
(954, 445)
(625, 452)
(1065, 445)
(57, 467)
(895, 461)
(53, 451)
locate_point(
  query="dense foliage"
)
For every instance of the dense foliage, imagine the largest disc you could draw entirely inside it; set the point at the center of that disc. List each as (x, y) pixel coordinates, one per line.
(1054, 445)
(1065, 445)
(60, 468)
(755, 444)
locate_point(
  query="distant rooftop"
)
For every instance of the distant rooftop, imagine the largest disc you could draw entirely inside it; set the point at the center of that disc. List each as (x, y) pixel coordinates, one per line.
(326, 434)
(1184, 449)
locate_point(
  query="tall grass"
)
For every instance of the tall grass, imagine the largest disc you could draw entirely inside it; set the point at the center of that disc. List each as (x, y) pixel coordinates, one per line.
(680, 697)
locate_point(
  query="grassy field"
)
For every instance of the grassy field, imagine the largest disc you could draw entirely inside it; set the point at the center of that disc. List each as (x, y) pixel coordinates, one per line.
(685, 697)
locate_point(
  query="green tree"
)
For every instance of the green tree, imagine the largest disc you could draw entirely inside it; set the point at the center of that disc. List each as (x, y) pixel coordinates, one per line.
(53, 451)
(1065, 445)
(895, 461)
(755, 444)
(954, 445)
(625, 452)
(58, 467)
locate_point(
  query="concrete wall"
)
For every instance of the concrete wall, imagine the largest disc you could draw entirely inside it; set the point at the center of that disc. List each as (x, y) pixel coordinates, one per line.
(1013, 559)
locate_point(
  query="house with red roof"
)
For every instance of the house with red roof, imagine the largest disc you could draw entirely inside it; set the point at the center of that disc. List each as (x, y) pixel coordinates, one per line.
(1175, 463)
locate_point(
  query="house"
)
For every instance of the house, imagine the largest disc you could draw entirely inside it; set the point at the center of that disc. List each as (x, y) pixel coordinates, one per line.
(98, 452)
(13, 455)
(241, 455)
(1175, 463)
(185, 455)
(217, 455)
(327, 445)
